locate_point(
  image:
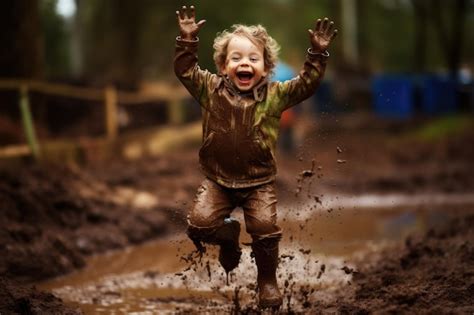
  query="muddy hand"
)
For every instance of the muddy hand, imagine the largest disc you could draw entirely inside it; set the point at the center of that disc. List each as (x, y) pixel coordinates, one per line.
(187, 23)
(322, 35)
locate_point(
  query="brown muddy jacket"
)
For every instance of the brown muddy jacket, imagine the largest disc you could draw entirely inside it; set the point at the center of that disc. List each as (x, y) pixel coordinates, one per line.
(240, 129)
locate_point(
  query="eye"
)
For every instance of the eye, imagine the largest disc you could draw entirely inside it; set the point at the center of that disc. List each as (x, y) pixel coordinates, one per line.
(254, 59)
(235, 58)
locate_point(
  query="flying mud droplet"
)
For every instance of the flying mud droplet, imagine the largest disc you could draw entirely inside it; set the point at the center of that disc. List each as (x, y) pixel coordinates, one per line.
(305, 251)
(150, 274)
(339, 150)
(291, 257)
(236, 300)
(341, 161)
(305, 174)
(348, 270)
(318, 200)
(321, 271)
(208, 268)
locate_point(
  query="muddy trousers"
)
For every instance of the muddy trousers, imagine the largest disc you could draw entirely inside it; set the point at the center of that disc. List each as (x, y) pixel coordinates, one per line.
(209, 222)
(214, 203)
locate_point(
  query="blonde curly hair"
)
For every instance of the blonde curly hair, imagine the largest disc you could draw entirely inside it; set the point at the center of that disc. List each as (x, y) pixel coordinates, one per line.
(257, 34)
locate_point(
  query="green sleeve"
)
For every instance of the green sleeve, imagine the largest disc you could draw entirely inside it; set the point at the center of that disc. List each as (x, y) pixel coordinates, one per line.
(296, 90)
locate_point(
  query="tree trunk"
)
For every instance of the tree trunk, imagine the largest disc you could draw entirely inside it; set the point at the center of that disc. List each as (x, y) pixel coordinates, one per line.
(419, 53)
(21, 54)
(451, 44)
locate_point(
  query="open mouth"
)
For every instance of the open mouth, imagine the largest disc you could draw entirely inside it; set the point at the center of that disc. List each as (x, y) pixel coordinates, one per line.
(244, 76)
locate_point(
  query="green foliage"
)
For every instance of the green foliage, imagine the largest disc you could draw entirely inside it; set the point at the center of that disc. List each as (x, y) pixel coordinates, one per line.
(56, 44)
(444, 127)
(129, 40)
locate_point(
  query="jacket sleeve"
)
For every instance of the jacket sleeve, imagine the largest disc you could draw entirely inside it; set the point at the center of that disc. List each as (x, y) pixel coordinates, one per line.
(298, 89)
(198, 82)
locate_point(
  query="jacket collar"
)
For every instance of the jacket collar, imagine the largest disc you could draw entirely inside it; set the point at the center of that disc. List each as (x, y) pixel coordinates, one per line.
(257, 93)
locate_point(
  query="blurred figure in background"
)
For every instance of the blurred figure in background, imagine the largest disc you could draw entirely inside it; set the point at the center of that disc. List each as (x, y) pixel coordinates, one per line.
(284, 72)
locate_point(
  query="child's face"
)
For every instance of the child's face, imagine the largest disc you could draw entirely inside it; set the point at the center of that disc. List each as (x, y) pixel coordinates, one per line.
(244, 63)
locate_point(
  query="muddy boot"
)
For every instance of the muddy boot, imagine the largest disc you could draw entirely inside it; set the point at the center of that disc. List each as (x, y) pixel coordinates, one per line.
(228, 239)
(266, 257)
(226, 236)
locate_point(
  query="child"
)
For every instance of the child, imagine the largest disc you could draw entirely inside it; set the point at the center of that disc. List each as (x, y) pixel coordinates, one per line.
(241, 112)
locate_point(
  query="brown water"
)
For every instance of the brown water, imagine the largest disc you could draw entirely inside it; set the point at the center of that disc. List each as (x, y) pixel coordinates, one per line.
(318, 242)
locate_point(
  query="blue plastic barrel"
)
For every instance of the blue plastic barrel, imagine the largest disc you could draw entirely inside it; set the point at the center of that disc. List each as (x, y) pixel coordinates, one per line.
(438, 95)
(393, 96)
(324, 98)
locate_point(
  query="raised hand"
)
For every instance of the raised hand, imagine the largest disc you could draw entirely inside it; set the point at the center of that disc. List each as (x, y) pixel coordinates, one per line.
(322, 35)
(187, 23)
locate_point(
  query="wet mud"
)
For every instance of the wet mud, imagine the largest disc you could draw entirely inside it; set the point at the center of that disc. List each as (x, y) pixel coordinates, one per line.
(432, 274)
(64, 215)
(53, 217)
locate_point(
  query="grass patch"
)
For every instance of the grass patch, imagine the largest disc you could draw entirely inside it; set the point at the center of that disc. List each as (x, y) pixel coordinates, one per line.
(443, 127)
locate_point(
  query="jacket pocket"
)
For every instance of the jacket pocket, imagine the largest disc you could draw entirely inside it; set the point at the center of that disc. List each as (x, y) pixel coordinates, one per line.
(262, 153)
(204, 151)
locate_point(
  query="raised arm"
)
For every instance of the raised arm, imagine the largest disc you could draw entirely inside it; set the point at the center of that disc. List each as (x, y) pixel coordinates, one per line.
(304, 85)
(186, 59)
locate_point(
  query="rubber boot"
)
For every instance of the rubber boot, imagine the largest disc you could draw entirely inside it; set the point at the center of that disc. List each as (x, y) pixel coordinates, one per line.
(266, 257)
(226, 236)
(228, 239)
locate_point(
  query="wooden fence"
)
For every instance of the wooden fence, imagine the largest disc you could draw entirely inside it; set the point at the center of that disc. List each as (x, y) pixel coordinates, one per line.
(109, 96)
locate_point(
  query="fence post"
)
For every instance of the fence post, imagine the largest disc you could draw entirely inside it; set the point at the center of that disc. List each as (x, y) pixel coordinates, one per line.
(176, 113)
(111, 112)
(27, 120)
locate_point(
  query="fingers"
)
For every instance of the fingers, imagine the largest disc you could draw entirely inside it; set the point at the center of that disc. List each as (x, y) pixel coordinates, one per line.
(200, 23)
(185, 14)
(324, 25)
(330, 27)
(318, 25)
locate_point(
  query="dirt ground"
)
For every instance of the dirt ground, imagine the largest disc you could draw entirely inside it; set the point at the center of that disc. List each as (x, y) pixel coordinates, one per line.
(431, 274)
(62, 214)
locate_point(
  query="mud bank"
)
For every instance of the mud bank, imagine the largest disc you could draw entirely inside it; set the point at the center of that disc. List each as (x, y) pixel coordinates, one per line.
(17, 298)
(51, 218)
(432, 274)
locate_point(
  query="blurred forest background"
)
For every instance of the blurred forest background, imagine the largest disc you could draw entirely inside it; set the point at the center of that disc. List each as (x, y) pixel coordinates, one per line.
(126, 43)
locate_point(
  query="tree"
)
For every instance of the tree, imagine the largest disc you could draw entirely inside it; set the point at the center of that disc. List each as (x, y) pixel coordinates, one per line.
(21, 39)
(451, 37)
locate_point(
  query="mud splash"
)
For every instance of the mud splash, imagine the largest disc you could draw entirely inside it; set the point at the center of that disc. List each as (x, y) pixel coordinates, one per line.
(318, 255)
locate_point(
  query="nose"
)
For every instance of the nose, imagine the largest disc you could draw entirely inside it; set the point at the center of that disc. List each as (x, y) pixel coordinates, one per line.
(244, 62)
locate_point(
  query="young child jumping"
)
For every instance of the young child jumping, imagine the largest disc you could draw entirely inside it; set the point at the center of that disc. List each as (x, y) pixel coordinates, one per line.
(241, 111)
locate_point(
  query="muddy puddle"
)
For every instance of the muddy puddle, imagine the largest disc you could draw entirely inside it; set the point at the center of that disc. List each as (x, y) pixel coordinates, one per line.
(322, 240)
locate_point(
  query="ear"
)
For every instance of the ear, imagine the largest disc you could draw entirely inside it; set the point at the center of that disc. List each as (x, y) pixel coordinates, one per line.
(223, 67)
(223, 70)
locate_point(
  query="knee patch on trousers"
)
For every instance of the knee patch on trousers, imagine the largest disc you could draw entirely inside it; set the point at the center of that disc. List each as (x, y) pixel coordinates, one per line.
(262, 229)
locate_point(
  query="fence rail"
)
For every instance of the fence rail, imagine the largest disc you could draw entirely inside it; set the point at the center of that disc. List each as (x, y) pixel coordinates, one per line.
(109, 95)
